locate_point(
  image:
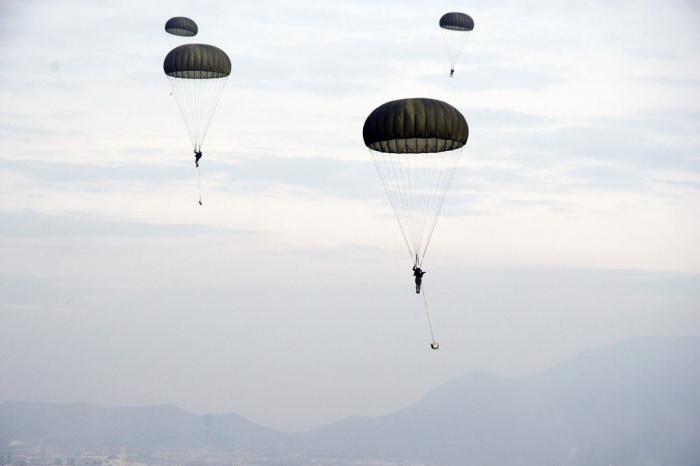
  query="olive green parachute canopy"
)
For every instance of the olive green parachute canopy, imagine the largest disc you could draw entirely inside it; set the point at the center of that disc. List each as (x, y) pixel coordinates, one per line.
(181, 26)
(415, 145)
(197, 74)
(197, 61)
(457, 22)
(414, 126)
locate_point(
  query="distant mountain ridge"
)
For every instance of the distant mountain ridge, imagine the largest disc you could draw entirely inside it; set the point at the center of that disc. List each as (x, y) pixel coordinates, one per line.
(89, 426)
(636, 402)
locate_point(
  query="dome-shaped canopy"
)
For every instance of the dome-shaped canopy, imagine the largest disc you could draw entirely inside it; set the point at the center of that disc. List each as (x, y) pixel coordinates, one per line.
(417, 125)
(181, 26)
(197, 61)
(457, 22)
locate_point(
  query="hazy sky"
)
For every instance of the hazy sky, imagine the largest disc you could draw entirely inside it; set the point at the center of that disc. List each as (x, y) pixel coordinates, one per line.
(573, 219)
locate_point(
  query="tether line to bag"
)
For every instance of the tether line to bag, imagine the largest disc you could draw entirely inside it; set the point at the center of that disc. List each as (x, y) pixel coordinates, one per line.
(427, 312)
(199, 176)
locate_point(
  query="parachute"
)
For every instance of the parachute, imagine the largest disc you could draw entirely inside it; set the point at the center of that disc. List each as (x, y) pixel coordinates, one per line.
(197, 74)
(456, 29)
(180, 29)
(415, 145)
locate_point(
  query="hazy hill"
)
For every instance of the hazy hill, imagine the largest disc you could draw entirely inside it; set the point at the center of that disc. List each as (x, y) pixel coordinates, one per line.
(90, 426)
(637, 402)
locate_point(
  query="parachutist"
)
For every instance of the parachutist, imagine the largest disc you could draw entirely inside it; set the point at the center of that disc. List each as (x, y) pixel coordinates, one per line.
(456, 29)
(197, 156)
(434, 138)
(418, 273)
(435, 345)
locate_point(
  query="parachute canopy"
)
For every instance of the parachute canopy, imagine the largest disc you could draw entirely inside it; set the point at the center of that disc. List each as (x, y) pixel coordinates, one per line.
(415, 145)
(457, 22)
(414, 126)
(456, 29)
(181, 26)
(197, 61)
(197, 74)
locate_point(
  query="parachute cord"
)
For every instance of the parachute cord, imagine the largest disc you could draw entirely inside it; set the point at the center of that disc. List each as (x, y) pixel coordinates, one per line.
(425, 301)
(199, 175)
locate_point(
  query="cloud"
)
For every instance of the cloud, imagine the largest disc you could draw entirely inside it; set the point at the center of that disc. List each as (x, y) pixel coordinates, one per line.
(74, 225)
(670, 81)
(91, 176)
(9, 130)
(500, 77)
(322, 175)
